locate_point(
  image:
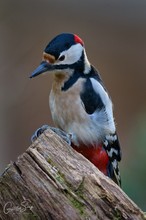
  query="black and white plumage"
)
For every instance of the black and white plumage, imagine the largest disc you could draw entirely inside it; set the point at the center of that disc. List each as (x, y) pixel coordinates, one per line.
(80, 104)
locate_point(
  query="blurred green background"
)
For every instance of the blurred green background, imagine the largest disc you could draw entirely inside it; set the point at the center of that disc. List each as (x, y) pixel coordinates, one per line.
(114, 33)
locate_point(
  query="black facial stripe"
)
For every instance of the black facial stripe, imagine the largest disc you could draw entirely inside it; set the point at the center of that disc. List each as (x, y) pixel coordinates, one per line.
(72, 80)
(78, 72)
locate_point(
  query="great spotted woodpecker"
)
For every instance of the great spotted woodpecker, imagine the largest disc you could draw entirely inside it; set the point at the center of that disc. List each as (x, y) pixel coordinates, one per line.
(80, 104)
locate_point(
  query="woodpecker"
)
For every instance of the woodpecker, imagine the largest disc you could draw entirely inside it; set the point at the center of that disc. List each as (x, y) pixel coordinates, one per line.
(80, 104)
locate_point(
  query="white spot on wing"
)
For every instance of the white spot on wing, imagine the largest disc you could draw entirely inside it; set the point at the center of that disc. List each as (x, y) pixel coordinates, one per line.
(106, 143)
(114, 163)
(111, 137)
(112, 150)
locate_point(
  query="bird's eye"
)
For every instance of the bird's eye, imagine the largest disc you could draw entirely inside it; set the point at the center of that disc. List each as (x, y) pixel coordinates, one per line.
(61, 58)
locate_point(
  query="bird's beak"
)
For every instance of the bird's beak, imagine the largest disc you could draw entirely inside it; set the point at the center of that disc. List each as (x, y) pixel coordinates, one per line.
(43, 67)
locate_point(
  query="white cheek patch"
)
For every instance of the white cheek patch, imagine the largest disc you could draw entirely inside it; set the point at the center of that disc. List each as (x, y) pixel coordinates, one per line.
(72, 55)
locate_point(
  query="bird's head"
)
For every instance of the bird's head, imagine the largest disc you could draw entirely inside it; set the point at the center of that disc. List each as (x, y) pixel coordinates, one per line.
(65, 53)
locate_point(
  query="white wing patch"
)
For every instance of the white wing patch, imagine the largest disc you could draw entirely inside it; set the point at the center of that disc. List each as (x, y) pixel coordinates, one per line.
(105, 116)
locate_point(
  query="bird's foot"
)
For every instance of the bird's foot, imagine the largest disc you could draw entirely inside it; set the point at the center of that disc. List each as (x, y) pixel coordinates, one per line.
(65, 136)
(38, 132)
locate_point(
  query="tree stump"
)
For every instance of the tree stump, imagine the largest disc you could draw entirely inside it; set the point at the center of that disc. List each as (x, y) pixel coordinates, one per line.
(52, 181)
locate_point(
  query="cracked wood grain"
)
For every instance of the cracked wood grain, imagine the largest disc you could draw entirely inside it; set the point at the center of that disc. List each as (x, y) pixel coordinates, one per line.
(52, 181)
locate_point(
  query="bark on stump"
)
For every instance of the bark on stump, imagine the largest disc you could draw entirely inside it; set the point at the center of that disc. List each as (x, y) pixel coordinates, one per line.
(52, 181)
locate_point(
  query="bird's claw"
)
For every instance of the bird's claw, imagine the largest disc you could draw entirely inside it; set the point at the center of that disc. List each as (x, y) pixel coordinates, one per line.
(65, 136)
(38, 132)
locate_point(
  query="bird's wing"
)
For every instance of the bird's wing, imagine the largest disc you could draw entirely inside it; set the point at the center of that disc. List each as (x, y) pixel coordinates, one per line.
(112, 147)
(91, 99)
(98, 105)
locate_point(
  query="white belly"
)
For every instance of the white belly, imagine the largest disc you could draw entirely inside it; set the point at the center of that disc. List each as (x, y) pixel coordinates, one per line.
(69, 115)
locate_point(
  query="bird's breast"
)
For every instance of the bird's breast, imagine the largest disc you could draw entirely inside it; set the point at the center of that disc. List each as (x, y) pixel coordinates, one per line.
(69, 114)
(67, 110)
(66, 106)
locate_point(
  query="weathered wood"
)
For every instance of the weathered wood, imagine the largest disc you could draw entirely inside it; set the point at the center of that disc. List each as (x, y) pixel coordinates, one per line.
(52, 181)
